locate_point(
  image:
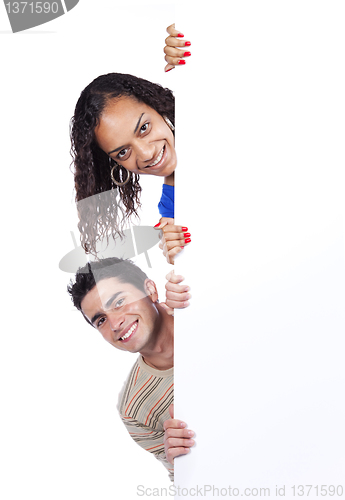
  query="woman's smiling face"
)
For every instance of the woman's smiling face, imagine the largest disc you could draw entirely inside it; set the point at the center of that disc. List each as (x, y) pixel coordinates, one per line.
(137, 137)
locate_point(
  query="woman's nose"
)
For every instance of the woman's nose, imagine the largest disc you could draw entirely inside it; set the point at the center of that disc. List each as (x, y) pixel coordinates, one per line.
(145, 151)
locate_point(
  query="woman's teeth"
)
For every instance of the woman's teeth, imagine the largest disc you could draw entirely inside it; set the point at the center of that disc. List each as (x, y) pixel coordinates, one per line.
(129, 333)
(159, 157)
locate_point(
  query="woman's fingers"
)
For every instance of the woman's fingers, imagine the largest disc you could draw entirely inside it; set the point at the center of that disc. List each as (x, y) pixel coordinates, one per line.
(170, 245)
(173, 52)
(173, 31)
(170, 41)
(173, 238)
(175, 61)
(172, 232)
(176, 48)
(180, 237)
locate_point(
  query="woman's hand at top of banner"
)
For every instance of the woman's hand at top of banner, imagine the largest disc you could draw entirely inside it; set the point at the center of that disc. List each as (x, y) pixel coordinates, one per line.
(176, 48)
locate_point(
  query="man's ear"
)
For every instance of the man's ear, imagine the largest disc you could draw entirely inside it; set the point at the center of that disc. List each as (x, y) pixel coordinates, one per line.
(151, 290)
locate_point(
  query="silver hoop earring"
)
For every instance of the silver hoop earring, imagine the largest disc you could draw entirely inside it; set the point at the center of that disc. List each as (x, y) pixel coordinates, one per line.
(117, 183)
(168, 122)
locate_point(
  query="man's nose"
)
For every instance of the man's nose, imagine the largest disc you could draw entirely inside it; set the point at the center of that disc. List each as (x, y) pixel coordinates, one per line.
(116, 320)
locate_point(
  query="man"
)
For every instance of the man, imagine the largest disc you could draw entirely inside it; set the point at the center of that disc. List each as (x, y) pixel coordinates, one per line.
(119, 300)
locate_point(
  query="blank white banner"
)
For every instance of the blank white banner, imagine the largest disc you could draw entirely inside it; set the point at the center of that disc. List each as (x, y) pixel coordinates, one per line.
(259, 371)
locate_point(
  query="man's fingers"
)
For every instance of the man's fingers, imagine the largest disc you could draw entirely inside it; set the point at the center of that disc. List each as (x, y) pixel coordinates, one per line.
(173, 423)
(176, 452)
(181, 434)
(177, 304)
(177, 297)
(177, 438)
(174, 278)
(179, 289)
(177, 442)
(168, 309)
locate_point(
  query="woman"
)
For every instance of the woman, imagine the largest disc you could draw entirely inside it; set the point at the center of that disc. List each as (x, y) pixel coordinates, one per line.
(123, 128)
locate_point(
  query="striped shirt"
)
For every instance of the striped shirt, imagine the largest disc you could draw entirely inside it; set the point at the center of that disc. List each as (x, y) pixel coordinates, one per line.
(144, 406)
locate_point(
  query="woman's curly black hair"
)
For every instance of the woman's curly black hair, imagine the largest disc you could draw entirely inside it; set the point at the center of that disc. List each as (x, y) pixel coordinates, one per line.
(100, 215)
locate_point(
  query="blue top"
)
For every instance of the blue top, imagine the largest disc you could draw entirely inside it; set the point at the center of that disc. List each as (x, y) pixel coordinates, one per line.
(166, 205)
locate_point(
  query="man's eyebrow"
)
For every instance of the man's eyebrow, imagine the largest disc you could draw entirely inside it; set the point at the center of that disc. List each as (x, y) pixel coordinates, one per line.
(108, 303)
(135, 130)
(94, 318)
(111, 300)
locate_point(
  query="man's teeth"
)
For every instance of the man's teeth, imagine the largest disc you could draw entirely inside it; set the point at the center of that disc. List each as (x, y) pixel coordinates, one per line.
(158, 159)
(130, 331)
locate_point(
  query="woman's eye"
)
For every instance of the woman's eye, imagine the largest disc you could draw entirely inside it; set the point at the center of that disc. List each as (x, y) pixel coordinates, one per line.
(122, 153)
(144, 127)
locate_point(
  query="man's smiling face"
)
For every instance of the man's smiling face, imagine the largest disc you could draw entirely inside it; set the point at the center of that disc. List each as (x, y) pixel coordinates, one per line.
(126, 317)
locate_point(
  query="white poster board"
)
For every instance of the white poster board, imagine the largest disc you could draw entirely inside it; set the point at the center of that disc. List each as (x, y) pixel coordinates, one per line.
(259, 372)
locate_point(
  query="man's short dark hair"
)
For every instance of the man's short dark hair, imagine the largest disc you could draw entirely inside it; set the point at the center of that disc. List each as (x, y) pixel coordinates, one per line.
(88, 276)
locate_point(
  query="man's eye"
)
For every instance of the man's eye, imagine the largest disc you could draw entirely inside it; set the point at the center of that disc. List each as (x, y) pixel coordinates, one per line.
(119, 303)
(100, 322)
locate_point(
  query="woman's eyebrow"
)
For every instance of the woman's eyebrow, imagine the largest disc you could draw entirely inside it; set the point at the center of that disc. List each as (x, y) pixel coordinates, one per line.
(137, 126)
(135, 130)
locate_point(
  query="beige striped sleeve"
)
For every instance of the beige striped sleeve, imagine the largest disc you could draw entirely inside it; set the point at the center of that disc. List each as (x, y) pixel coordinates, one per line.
(144, 406)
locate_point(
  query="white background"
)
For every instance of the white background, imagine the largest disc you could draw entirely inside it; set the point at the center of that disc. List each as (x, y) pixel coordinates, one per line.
(260, 184)
(61, 436)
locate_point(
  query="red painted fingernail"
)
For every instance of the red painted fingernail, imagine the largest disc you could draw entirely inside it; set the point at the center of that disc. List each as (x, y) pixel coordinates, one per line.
(157, 224)
(182, 61)
(184, 229)
(180, 35)
(187, 44)
(186, 235)
(167, 71)
(187, 240)
(182, 248)
(187, 54)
